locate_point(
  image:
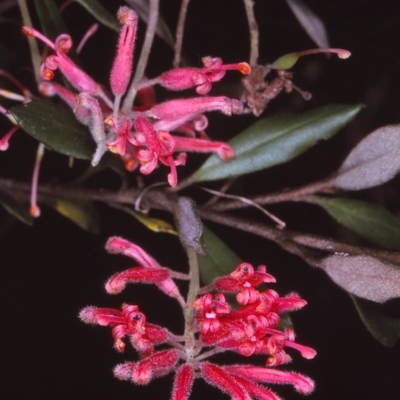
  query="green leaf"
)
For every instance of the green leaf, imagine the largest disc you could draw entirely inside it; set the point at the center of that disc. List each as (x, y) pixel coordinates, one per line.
(220, 259)
(50, 18)
(56, 127)
(368, 220)
(83, 213)
(98, 11)
(375, 160)
(385, 329)
(16, 209)
(276, 140)
(364, 276)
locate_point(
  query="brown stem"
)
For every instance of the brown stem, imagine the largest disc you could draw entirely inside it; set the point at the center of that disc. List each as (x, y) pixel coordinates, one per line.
(303, 245)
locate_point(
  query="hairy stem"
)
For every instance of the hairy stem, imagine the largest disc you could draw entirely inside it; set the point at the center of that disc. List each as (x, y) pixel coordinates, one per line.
(179, 33)
(191, 297)
(253, 29)
(144, 56)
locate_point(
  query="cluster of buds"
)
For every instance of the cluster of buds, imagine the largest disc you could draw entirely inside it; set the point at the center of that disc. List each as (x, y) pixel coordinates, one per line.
(212, 327)
(141, 135)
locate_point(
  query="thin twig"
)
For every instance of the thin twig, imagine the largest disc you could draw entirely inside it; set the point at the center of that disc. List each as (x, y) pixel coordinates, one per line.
(179, 33)
(272, 198)
(249, 202)
(144, 56)
(253, 29)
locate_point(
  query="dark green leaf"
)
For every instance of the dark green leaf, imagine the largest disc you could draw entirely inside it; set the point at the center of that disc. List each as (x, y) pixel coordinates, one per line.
(50, 18)
(83, 213)
(385, 329)
(56, 127)
(95, 8)
(276, 140)
(220, 259)
(16, 209)
(375, 160)
(364, 276)
(368, 220)
(190, 227)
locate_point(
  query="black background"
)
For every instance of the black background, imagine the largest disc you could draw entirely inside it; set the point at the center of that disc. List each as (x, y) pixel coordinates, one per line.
(52, 270)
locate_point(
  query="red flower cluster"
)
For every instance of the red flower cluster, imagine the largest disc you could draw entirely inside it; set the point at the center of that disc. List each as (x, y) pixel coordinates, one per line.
(141, 136)
(252, 328)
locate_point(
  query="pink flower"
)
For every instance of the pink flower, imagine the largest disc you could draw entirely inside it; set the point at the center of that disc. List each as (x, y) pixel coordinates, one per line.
(213, 71)
(142, 136)
(252, 328)
(128, 322)
(155, 271)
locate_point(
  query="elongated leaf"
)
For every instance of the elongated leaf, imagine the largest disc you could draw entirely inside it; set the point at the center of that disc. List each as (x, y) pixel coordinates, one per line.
(220, 259)
(56, 127)
(364, 276)
(83, 213)
(276, 140)
(375, 160)
(50, 18)
(162, 30)
(98, 11)
(368, 220)
(385, 329)
(310, 22)
(14, 208)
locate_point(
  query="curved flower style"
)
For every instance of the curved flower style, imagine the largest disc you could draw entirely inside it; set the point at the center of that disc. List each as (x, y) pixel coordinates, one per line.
(251, 328)
(142, 136)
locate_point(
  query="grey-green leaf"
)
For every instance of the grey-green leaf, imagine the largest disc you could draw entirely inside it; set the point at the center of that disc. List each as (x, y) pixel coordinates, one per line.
(310, 22)
(220, 259)
(368, 220)
(56, 127)
(98, 11)
(14, 208)
(375, 160)
(364, 276)
(276, 140)
(385, 329)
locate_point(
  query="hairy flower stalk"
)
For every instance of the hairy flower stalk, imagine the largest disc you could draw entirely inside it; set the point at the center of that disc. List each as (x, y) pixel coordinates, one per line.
(143, 136)
(211, 326)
